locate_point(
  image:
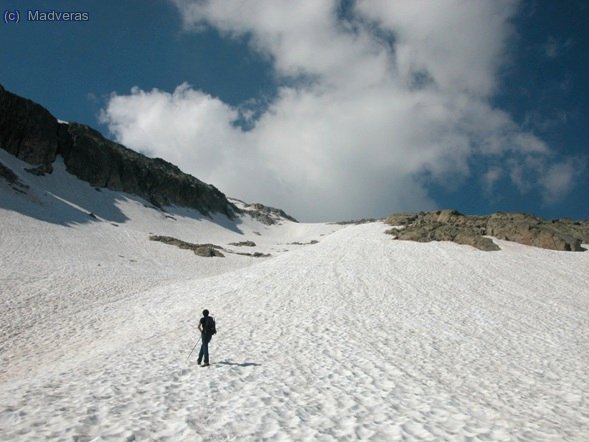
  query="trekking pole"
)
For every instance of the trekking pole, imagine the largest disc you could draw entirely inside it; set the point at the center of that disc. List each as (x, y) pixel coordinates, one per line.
(191, 351)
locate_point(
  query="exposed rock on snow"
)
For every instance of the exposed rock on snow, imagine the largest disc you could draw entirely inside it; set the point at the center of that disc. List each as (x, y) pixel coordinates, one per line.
(254, 255)
(243, 244)
(204, 250)
(298, 243)
(445, 232)
(534, 231)
(451, 225)
(208, 250)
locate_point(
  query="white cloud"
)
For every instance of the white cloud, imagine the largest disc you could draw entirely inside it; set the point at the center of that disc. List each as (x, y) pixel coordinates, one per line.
(558, 179)
(390, 98)
(186, 126)
(460, 43)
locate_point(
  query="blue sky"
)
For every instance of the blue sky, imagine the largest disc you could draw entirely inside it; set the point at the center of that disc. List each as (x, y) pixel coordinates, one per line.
(330, 110)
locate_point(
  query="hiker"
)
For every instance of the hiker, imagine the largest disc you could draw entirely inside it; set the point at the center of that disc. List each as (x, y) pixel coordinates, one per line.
(207, 330)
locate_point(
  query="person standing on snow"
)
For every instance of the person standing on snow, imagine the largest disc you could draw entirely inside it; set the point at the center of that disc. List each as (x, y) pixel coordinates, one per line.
(207, 330)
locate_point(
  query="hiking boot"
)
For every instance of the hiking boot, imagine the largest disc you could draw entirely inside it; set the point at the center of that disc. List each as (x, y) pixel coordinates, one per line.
(206, 364)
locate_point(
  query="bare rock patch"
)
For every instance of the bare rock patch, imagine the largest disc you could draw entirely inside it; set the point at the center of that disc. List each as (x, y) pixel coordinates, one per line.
(451, 225)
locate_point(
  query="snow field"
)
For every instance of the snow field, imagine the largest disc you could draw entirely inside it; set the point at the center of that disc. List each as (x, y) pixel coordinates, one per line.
(358, 337)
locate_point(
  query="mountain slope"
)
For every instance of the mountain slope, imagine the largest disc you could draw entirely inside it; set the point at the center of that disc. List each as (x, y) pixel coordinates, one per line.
(355, 337)
(30, 133)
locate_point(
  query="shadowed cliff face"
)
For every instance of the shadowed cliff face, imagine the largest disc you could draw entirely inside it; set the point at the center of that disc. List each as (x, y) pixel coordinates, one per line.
(29, 132)
(450, 225)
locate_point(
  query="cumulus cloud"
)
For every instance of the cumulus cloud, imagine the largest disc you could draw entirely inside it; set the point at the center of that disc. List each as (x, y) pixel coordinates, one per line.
(375, 103)
(185, 127)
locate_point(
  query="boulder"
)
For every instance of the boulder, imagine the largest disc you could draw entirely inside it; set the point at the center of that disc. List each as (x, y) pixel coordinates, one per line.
(207, 251)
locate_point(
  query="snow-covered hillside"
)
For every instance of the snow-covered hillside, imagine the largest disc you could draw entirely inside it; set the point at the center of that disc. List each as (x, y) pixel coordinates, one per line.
(357, 337)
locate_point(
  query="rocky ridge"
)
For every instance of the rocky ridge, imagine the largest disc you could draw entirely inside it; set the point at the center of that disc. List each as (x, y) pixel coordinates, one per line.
(29, 132)
(450, 225)
(265, 214)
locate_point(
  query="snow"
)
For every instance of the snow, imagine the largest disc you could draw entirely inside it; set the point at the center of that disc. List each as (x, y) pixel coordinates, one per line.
(357, 337)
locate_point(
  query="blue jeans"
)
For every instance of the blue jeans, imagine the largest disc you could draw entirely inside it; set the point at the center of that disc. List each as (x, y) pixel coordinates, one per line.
(204, 349)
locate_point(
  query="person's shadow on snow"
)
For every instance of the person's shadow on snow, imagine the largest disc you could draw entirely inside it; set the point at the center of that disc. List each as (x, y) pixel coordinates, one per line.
(238, 364)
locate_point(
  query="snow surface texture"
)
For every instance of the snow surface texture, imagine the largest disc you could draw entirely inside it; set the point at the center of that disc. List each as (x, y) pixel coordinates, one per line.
(357, 337)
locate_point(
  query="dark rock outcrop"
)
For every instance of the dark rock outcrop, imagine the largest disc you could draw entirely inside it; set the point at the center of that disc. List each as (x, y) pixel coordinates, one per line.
(103, 163)
(29, 132)
(450, 225)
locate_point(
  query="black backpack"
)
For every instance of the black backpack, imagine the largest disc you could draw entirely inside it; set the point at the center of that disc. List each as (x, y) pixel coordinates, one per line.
(210, 327)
